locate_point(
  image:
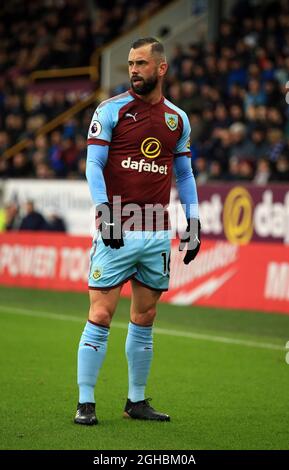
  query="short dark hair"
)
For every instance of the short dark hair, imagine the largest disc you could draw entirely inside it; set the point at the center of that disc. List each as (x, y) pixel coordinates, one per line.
(157, 46)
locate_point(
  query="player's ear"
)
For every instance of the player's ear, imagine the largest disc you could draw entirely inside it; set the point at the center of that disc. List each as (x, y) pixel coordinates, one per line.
(163, 67)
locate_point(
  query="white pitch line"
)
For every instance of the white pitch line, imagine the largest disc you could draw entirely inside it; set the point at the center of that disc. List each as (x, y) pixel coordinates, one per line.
(160, 331)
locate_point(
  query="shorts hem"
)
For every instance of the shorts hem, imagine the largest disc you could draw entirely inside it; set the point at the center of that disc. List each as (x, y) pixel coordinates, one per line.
(150, 287)
(111, 287)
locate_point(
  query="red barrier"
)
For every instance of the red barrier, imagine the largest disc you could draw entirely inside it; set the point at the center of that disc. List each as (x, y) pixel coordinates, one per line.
(44, 260)
(254, 276)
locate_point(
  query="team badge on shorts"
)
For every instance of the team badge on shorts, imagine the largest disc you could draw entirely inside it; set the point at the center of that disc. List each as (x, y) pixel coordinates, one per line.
(171, 121)
(97, 273)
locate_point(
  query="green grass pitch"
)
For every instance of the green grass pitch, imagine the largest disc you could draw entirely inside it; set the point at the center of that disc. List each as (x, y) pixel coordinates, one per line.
(220, 374)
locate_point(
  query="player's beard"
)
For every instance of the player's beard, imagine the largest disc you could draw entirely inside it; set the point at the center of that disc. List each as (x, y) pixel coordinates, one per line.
(146, 86)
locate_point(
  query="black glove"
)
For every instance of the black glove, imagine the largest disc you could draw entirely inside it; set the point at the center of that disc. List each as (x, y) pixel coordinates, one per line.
(109, 226)
(192, 237)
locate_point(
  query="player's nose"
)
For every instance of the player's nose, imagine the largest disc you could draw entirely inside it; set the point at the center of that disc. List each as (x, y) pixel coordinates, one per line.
(135, 76)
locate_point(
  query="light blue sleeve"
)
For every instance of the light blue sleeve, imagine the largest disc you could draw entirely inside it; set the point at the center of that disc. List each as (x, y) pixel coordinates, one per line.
(186, 185)
(183, 144)
(96, 160)
(102, 124)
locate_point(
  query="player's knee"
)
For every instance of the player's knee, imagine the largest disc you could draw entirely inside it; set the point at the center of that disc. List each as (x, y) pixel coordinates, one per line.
(145, 318)
(151, 312)
(100, 315)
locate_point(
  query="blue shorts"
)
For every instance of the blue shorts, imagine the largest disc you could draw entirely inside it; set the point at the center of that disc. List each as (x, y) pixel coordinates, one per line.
(145, 257)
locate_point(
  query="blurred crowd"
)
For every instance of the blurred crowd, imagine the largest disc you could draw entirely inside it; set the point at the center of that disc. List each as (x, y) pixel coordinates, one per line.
(25, 217)
(233, 89)
(52, 34)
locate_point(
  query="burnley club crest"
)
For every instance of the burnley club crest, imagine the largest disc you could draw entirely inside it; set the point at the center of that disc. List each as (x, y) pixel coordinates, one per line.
(171, 121)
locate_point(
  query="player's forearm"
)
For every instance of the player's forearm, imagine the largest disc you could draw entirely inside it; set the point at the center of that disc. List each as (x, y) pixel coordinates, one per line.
(186, 186)
(96, 160)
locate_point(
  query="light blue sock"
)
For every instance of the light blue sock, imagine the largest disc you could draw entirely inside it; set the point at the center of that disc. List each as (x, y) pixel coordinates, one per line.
(91, 353)
(139, 353)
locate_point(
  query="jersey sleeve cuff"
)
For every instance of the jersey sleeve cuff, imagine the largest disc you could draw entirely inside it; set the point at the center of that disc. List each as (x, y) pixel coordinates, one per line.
(97, 142)
(183, 154)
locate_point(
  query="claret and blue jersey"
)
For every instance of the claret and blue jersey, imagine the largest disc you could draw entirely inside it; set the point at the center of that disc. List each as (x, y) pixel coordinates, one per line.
(143, 142)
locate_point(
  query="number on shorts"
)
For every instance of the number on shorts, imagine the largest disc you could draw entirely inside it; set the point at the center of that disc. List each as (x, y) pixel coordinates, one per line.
(166, 261)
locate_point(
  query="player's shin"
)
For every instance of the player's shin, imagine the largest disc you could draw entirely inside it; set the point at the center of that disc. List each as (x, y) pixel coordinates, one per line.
(91, 354)
(139, 353)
